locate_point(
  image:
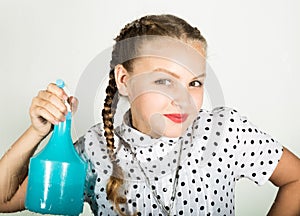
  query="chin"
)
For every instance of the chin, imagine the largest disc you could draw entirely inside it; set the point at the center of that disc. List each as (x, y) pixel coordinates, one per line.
(174, 132)
(173, 135)
(170, 132)
(171, 129)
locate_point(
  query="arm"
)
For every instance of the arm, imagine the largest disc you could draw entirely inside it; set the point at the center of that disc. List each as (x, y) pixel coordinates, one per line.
(46, 109)
(14, 166)
(287, 177)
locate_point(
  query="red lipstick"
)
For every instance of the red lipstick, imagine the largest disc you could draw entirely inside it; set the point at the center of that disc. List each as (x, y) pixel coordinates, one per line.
(176, 117)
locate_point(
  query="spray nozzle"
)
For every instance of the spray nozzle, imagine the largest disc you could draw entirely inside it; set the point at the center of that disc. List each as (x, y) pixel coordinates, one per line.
(61, 84)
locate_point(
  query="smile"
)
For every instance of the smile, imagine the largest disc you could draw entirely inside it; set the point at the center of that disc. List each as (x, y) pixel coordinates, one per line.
(176, 117)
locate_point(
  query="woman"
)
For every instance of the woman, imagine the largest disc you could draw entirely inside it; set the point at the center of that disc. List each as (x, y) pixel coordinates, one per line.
(169, 156)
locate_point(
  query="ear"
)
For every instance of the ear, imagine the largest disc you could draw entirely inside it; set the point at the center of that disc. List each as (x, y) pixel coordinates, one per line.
(121, 76)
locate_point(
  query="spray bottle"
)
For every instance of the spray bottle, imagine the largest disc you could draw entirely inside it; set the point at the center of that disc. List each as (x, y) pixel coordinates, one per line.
(57, 174)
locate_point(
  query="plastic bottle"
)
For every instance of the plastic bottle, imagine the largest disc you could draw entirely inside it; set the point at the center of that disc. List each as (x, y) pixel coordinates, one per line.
(57, 174)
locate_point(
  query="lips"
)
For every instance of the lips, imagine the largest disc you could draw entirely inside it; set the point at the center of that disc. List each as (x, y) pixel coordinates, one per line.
(177, 117)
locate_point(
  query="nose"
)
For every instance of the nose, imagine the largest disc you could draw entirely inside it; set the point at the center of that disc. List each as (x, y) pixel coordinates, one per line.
(181, 99)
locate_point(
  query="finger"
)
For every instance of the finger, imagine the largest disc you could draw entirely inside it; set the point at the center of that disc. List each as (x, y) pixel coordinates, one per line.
(73, 101)
(49, 107)
(59, 92)
(53, 99)
(41, 113)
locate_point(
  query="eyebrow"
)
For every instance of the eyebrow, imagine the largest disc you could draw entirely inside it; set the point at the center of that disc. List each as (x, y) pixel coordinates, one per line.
(174, 74)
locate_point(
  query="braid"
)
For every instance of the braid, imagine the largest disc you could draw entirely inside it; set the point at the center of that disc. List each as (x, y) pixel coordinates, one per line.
(110, 108)
(160, 25)
(116, 179)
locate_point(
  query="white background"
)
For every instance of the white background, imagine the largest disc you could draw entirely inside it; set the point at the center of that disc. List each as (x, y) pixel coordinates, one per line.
(254, 49)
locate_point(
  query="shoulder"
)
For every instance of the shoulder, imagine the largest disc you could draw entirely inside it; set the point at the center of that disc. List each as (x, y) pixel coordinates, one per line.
(216, 126)
(218, 116)
(221, 111)
(96, 131)
(226, 120)
(93, 139)
(225, 113)
(224, 124)
(93, 149)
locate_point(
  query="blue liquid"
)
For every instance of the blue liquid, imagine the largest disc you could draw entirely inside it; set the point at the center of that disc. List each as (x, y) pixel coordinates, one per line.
(57, 200)
(56, 176)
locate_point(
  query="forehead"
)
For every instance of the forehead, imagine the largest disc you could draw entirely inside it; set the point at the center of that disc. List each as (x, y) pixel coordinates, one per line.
(173, 53)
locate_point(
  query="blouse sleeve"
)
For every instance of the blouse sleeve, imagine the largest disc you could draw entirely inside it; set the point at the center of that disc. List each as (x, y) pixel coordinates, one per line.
(257, 152)
(80, 147)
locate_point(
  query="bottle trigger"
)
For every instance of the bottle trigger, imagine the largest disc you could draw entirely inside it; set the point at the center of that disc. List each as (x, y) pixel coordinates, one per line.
(61, 84)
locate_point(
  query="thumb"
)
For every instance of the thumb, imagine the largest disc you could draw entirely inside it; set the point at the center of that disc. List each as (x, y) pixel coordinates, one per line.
(73, 101)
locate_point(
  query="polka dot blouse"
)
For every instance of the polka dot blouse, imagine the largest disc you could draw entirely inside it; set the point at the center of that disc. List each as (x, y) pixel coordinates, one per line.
(194, 174)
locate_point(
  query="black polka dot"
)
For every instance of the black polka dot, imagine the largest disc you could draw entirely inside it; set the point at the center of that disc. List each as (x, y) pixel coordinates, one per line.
(217, 149)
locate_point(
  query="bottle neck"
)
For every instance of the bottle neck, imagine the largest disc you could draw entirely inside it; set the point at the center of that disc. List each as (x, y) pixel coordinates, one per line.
(62, 128)
(60, 147)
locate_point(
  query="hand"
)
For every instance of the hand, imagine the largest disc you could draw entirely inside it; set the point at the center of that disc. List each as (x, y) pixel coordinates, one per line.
(48, 108)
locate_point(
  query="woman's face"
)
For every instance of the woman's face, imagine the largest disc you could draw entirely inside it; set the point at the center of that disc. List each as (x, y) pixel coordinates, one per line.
(166, 91)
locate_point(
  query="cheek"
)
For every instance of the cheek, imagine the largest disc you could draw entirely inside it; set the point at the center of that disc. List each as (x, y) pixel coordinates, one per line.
(150, 103)
(198, 98)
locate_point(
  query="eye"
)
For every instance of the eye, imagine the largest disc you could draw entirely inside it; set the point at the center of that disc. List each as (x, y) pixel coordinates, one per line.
(166, 82)
(196, 83)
